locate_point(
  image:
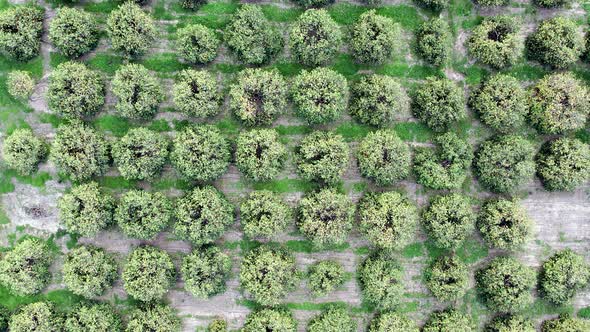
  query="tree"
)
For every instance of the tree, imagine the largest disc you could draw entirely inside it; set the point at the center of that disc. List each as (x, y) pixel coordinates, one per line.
(377, 100)
(434, 5)
(79, 152)
(140, 154)
(332, 319)
(196, 93)
(325, 277)
(251, 37)
(258, 96)
(89, 271)
(501, 103)
(260, 155)
(374, 38)
(559, 103)
(556, 42)
(433, 39)
(20, 84)
(445, 166)
(388, 220)
(449, 220)
(448, 320)
(505, 163)
(138, 92)
(200, 153)
(73, 31)
(4, 318)
(315, 38)
(20, 32)
(325, 217)
(148, 273)
(323, 157)
(153, 317)
(37, 316)
(24, 270)
(197, 44)
(563, 163)
(93, 318)
(193, 4)
(439, 103)
(562, 275)
(380, 278)
(314, 3)
(75, 91)
(565, 323)
(510, 323)
(320, 95)
(504, 224)
(131, 30)
(279, 320)
(392, 321)
(141, 214)
(268, 274)
(23, 151)
(203, 215)
(205, 271)
(506, 284)
(218, 325)
(384, 158)
(447, 278)
(495, 41)
(491, 3)
(264, 214)
(86, 209)
(551, 3)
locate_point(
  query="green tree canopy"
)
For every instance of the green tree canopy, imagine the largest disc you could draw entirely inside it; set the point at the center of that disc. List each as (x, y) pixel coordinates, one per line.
(93, 318)
(562, 275)
(332, 319)
(205, 271)
(565, 323)
(315, 38)
(384, 158)
(23, 151)
(510, 323)
(448, 320)
(38, 317)
(447, 278)
(20, 32)
(563, 163)
(392, 321)
(264, 214)
(196, 93)
(325, 277)
(377, 100)
(439, 103)
(89, 271)
(148, 273)
(556, 42)
(449, 220)
(73, 31)
(433, 39)
(131, 30)
(153, 317)
(86, 209)
(141, 214)
(138, 92)
(260, 155)
(20, 84)
(24, 270)
(374, 38)
(380, 278)
(279, 320)
(322, 156)
(193, 4)
(140, 154)
(504, 224)
(496, 41)
(197, 44)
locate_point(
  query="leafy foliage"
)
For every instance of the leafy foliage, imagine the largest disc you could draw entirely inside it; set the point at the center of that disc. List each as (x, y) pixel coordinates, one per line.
(556, 42)
(511, 323)
(205, 271)
(388, 220)
(73, 31)
(439, 103)
(153, 317)
(140, 154)
(259, 154)
(562, 275)
(20, 84)
(384, 157)
(148, 273)
(374, 38)
(197, 44)
(315, 38)
(448, 320)
(23, 151)
(325, 277)
(392, 321)
(193, 4)
(138, 92)
(196, 93)
(505, 163)
(447, 278)
(504, 224)
(86, 209)
(333, 319)
(37, 316)
(320, 95)
(433, 39)
(131, 30)
(551, 3)
(20, 32)
(264, 214)
(380, 279)
(270, 320)
(565, 323)
(496, 42)
(218, 325)
(24, 270)
(449, 220)
(491, 3)
(323, 157)
(93, 318)
(141, 214)
(563, 163)
(4, 317)
(268, 274)
(377, 100)
(89, 271)
(202, 215)
(200, 153)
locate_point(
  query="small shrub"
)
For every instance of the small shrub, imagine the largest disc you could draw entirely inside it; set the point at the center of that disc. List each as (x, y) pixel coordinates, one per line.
(384, 158)
(505, 163)
(89, 271)
(131, 30)
(511, 323)
(551, 3)
(148, 273)
(332, 319)
(447, 278)
(23, 151)
(138, 92)
(320, 95)
(251, 37)
(445, 166)
(392, 321)
(258, 96)
(388, 220)
(20, 84)
(433, 40)
(202, 215)
(439, 103)
(75, 91)
(200, 153)
(4, 317)
(448, 320)
(86, 210)
(323, 157)
(20, 32)
(268, 274)
(565, 323)
(259, 154)
(193, 4)
(315, 38)
(37, 316)
(377, 100)
(449, 220)
(491, 3)
(73, 31)
(140, 154)
(270, 320)
(197, 44)
(495, 41)
(562, 275)
(24, 270)
(314, 3)
(374, 38)
(218, 325)
(563, 164)
(556, 43)
(380, 279)
(504, 224)
(93, 318)
(205, 271)
(325, 277)
(264, 214)
(142, 215)
(196, 93)
(158, 317)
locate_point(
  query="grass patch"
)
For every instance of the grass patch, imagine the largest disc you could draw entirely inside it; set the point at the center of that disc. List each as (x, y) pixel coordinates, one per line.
(403, 70)
(407, 16)
(472, 251)
(228, 126)
(346, 66)
(160, 126)
(107, 63)
(4, 220)
(277, 14)
(105, 6)
(541, 308)
(56, 59)
(169, 183)
(227, 68)
(351, 131)
(288, 69)
(583, 135)
(285, 185)
(164, 63)
(526, 72)
(413, 132)
(584, 313)
(52, 119)
(35, 180)
(413, 250)
(293, 130)
(116, 182)
(116, 125)
(33, 66)
(346, 13)
(306, 246)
